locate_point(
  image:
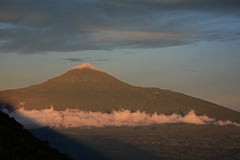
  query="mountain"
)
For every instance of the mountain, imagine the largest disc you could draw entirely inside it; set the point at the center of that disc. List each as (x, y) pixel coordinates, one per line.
(88, 88)
(18, 143)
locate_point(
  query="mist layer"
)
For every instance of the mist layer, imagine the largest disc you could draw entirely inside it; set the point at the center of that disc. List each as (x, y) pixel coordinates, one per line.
(78, 118)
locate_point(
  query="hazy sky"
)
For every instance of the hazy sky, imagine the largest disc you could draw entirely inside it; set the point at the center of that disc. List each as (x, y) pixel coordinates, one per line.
(189, 46)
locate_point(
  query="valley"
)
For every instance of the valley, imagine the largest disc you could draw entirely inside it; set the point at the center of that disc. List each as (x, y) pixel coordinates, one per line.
(166, 141)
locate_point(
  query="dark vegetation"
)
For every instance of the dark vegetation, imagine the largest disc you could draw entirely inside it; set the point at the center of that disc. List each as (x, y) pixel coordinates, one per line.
(16, 143)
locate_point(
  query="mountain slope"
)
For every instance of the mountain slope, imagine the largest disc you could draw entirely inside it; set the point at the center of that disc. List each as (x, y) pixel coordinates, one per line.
(18, 143)
(89, 88)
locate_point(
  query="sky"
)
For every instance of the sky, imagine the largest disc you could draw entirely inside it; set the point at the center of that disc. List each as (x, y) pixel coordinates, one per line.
(188, 46)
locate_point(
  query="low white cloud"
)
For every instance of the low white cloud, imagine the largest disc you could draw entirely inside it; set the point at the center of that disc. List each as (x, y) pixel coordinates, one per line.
(79, 118)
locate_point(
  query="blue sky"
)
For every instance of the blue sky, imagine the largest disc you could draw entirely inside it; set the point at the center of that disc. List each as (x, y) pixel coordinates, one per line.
(181, 45)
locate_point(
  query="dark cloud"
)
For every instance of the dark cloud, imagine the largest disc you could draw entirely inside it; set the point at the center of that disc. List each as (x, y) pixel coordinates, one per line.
(28, 26)
(76, 59)
(85, 59)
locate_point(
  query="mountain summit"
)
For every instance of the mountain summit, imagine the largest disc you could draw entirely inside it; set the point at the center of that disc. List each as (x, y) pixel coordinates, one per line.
(88, 88)
(87, 66)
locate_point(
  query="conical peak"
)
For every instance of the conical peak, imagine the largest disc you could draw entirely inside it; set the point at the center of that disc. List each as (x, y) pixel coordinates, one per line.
(88, 66)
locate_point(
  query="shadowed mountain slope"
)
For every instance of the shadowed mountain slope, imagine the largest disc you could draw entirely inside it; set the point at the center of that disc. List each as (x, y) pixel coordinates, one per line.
(18, 143)
(88, 88)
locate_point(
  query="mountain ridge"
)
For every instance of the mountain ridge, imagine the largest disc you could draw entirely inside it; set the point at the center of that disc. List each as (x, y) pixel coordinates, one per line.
(88, 89)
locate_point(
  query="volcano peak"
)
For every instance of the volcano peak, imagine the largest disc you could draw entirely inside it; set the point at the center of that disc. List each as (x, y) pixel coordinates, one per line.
(88, 66)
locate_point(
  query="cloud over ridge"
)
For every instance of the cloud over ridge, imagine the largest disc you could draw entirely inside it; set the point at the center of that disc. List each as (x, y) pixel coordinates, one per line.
(78, 118)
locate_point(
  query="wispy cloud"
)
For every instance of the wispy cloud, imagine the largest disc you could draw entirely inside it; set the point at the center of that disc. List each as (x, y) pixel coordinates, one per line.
(89, 59)
(62, 26)
(140, 36)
